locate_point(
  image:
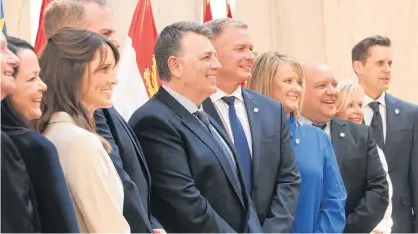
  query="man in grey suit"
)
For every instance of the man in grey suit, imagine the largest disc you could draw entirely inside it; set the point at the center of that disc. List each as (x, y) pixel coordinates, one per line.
(258, 127)
(394, 125)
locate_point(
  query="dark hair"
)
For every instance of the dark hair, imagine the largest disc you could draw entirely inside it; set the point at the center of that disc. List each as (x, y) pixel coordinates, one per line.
(360, 51)
(9, 112)
(169, 43)
(65, 59)
(15, 44)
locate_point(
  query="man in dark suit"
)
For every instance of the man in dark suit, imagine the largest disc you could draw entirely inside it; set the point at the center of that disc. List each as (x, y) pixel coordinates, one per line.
(258, 127)
(394, 125)
(362, 172)
(127, 156)
(197, 185)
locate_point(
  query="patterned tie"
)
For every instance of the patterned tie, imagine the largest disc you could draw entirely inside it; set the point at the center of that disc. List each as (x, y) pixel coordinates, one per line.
(321, 125)
(205, 121)
(377, 124)
(241, 143)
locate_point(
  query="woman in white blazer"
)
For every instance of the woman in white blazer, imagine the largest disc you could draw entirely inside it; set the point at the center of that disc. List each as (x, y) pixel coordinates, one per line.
(350, 107)
(79, 68)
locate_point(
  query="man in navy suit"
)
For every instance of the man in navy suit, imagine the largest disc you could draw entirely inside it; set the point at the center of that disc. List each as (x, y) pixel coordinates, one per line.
(197, 183)
(258, 127)
(394, 125)
(127, 155)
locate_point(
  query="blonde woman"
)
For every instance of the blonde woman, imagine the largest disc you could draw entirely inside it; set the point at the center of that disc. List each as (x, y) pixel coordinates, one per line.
(322, 193)
(350, 107)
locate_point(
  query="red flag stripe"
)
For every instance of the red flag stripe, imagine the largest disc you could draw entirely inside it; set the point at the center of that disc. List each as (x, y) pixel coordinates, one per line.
(208, 12)
(40, 35)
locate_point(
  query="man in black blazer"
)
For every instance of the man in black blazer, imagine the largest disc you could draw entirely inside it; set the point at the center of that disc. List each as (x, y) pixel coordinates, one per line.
(197, 185)
(362, 172)
(273, 176)
(126, 154)
(394, 125)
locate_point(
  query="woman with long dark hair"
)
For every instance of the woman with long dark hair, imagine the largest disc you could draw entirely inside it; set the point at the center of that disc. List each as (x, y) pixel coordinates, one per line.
(79, 68)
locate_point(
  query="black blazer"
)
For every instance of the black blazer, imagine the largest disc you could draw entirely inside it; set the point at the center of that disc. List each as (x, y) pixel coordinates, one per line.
(51, 196)
(401, 151)
(18, 214)
(193, 185)
(276, 178)
(363, 175)
(129, 161)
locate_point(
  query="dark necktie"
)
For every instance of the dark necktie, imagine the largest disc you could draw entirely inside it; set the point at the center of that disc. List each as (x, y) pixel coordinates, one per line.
(321, 125)
(205, 121)
(377, 124)
(241, 143)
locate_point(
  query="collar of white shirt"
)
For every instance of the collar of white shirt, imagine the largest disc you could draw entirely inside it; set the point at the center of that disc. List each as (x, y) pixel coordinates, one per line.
(367, 100)
(220, 94)
(327, 128)
(185, 102)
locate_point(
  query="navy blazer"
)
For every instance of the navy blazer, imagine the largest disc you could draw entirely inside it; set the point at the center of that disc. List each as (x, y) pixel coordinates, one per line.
(193, 185)
(18, 214)
(276, 177)
(401, 152)
(129, 161)
(363, 175)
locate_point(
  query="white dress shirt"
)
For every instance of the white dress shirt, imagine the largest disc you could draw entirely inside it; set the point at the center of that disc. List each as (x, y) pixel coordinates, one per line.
(95, 187)
(223, 111)
(386, 224)
(368, 112)
(327, 128)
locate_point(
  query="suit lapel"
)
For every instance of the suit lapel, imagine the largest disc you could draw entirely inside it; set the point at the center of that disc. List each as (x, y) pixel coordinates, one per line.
(203, 134)
(254, 119)
(392, 115)
(338, 132)
(209, 108)
(138, 150)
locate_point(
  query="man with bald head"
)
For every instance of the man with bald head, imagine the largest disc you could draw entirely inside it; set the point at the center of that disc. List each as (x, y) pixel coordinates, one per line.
(356, 151)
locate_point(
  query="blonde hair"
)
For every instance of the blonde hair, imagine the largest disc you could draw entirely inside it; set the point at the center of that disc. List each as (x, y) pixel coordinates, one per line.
(265, 68)
(347, 88)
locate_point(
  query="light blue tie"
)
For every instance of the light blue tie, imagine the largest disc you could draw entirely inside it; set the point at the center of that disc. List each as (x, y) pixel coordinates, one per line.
(241, 143)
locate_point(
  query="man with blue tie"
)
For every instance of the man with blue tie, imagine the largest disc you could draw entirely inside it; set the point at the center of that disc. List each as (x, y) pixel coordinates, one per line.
(197, 184)
(258, 127)
(394, 125)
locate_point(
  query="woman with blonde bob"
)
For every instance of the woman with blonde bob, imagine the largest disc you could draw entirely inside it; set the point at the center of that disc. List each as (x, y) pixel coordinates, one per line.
(350, 107)
(322, 194)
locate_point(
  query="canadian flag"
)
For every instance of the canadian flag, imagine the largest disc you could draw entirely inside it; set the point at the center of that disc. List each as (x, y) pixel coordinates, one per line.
(137, 72)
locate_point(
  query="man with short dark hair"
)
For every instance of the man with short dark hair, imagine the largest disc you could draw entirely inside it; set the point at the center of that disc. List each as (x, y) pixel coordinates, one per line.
(127, 155)
(394, 125)
(197, 183)
(258, 127)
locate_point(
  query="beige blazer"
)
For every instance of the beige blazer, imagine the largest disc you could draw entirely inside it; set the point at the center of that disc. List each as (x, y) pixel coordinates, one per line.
(95, 187)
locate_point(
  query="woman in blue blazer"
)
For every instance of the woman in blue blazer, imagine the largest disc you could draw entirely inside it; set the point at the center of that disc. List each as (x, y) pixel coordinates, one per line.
(50, 198)
(322, 194)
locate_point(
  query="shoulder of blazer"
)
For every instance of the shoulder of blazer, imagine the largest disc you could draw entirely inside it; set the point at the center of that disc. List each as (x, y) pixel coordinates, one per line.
(260, 99)
(392, 100)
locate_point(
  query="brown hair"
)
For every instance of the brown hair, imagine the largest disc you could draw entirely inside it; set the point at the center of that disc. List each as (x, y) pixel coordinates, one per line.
(265, 67)
(360, 51)
(67, 56)
(63, 13)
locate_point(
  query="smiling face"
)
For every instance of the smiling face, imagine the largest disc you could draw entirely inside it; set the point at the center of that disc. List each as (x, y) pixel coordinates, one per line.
(98, 81)
(351, 105)
(234, 51)
(8, 62)
(287, 87)
(321, 94)
(29, 87)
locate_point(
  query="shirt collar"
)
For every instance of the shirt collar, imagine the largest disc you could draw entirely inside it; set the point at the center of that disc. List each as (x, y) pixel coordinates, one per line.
(367, 100)
(186, 103)
(303, 119)
(220, 94)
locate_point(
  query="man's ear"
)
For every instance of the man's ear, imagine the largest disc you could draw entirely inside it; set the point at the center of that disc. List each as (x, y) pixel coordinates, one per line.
(174, 66)
(358, 67)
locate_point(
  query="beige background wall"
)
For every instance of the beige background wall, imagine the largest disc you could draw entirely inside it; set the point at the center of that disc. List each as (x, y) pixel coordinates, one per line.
(310, 30)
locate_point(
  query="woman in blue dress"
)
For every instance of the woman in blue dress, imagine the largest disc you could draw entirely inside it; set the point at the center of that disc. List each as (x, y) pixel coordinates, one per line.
(322, 194)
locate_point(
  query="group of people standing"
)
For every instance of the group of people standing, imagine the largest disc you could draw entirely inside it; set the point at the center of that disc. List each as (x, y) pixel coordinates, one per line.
(294, 151)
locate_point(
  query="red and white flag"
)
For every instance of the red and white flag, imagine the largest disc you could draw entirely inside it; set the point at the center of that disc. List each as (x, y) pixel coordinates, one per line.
(137, 72)
(40, 36)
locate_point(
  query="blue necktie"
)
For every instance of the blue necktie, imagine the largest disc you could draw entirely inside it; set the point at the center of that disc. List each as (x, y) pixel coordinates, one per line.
(241, 143)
